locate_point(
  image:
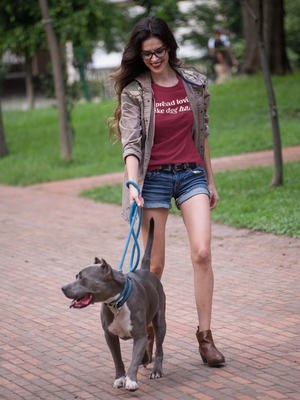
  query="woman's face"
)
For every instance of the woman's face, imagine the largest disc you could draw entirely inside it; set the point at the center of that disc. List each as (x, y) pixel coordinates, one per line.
(159, 61)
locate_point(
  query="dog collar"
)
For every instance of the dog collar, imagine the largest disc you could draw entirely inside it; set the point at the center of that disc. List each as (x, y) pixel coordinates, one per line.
(117, 304)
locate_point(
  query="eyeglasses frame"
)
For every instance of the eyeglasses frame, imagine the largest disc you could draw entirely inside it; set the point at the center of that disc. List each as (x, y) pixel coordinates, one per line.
(154, 53)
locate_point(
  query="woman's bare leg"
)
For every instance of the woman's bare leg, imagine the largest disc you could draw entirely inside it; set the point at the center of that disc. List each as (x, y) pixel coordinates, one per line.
(196, 216)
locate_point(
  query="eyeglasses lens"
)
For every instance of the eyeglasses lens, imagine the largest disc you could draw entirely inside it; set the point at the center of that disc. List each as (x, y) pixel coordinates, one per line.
(158, 53)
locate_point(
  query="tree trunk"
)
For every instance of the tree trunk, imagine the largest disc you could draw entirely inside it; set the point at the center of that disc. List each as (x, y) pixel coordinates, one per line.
(29, 84)
(252, 61)
(274, 37)
(3, 148)
(278, 165)
(273, 34)
(66, 153)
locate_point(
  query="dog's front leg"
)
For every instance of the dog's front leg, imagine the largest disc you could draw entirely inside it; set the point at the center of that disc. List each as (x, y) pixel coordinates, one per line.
(113, 343)
(138, 351)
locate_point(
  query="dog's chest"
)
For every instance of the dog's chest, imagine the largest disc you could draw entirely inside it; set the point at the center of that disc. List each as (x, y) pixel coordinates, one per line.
(121, 325)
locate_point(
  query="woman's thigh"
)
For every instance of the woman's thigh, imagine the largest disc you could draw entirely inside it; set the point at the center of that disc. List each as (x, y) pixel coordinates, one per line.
(196, 216)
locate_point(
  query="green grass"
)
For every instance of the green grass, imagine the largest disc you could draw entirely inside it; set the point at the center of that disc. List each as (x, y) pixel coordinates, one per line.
(240, 118)
(239, 123)
(104, 194)
(34, 151)
(246, 200)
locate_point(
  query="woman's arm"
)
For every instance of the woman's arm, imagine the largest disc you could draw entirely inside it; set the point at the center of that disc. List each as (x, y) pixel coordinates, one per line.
(131, 133)
(132, 165)
(214, 198)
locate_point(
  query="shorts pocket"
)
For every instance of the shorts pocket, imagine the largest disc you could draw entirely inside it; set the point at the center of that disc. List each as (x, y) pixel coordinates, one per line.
(151, 175)
(198, 171)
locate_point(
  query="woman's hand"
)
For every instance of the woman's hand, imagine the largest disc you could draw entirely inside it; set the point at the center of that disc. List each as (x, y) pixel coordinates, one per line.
(134, 196)
(132, 165)
(214, 197)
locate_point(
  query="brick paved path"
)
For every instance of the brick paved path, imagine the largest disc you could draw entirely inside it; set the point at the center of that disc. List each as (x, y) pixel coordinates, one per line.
(49, 351)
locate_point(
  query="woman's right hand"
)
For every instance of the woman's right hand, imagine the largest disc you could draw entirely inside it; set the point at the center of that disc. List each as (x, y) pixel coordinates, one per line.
(132, 165)
(135, 196)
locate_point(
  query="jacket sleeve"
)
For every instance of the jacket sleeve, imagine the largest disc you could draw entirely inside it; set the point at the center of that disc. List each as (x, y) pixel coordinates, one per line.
(130, 125)
(206, 95)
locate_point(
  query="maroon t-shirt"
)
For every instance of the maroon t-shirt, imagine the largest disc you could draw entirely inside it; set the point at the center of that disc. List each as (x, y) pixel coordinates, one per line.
(173, 142)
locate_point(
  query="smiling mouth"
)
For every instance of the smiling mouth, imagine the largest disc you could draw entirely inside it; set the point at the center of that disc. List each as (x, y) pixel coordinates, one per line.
(81, 303)
(157, 65)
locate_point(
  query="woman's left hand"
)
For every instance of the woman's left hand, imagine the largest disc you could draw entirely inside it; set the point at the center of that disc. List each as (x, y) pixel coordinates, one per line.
(214, 197)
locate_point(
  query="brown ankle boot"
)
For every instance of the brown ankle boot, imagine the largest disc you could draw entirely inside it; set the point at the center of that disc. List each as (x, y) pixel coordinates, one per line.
(207, 349)
(150, 335)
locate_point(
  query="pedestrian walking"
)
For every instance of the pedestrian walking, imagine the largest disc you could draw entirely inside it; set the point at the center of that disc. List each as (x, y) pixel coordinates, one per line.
(161, 119)
(221, 54)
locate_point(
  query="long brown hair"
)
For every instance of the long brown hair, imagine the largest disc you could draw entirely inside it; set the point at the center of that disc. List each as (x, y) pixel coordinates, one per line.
(132, 65)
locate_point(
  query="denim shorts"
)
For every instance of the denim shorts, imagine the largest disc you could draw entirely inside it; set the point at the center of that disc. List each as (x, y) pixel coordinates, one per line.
(159, 187)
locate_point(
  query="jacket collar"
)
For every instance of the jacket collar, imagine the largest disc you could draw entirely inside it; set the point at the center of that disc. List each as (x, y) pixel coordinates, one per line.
(144, 79)
(190, 76)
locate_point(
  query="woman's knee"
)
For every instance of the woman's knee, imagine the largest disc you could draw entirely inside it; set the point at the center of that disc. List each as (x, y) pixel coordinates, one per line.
(202, 256)
(157, 269)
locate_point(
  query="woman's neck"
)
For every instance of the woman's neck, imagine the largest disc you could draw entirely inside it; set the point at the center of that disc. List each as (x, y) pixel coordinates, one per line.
(167, 78)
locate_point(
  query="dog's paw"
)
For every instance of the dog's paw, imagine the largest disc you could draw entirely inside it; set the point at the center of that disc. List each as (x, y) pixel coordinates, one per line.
(130, 385)
(118, 383)
(156, 374)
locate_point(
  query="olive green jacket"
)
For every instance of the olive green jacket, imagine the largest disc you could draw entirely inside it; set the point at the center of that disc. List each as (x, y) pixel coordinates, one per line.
(137, 121)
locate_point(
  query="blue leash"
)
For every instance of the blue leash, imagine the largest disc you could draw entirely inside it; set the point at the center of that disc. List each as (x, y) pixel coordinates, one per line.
(132, 218)
(117, 304)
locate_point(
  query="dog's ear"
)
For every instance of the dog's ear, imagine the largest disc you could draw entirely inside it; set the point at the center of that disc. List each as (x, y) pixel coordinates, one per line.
(105, 268)
(97, 261)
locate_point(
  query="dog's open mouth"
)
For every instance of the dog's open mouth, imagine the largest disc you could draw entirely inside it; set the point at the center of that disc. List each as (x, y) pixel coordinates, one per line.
(81, 303)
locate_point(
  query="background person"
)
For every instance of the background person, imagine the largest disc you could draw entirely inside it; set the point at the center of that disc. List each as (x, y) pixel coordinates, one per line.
(221, 54)
(161, 118)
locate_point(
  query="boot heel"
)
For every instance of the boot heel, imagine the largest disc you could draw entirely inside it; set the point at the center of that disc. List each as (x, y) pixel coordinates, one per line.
(209, 353)
(203, 358)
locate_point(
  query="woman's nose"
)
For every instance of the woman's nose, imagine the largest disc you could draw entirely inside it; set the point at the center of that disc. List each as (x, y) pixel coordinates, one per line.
(154, 58)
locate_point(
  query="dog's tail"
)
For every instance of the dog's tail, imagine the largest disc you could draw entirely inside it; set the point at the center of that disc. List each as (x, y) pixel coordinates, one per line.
(147, 256)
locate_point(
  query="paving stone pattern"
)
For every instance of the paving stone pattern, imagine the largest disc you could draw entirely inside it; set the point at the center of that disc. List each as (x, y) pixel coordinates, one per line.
(48, 351)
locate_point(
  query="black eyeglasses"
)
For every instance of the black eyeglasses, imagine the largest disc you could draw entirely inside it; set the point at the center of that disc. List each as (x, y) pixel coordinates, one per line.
(159, 53)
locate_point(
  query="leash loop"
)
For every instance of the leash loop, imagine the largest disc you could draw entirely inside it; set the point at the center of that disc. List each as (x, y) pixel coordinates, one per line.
(132, 217)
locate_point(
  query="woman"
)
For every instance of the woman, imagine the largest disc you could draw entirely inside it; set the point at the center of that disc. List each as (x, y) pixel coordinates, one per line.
(162, 122)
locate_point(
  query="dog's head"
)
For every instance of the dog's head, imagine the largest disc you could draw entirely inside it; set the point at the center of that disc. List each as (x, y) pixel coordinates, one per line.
(91, 285)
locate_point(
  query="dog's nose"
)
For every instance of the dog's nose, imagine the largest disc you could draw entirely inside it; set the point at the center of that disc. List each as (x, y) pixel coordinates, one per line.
(63, 288)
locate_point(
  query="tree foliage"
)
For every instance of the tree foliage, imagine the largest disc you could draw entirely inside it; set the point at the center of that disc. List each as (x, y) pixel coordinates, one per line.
(165, 9)
(292, 24)
(21, 30)
(231, 11)
(86, 22)
(83, 22)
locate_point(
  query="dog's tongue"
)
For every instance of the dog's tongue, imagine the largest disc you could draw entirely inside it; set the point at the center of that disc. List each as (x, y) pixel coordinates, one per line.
(82, 302)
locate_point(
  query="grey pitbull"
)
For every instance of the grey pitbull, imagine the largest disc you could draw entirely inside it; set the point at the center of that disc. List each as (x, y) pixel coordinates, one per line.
(129, 304)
